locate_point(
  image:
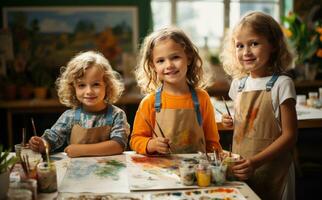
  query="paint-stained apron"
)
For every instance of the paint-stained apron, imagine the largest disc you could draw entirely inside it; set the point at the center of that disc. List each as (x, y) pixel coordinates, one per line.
(255, 129)
(183, 127)
(81, 135)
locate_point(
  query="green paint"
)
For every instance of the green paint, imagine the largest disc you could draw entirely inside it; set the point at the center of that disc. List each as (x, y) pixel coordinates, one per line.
(110, 169)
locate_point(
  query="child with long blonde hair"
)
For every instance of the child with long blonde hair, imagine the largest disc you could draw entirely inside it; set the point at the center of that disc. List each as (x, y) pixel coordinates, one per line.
(93, 126)
(177, 115)
(265, 125)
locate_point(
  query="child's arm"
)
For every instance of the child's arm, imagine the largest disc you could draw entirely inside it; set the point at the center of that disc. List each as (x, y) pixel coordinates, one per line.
(105, 148)
(118, 139)
(282, 144)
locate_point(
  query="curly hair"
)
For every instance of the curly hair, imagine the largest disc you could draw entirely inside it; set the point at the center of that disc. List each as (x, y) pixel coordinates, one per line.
(262, 24)
(145, 74)
(76, 68)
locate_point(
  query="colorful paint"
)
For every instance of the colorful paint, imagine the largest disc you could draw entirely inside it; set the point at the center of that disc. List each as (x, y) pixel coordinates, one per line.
(209, 194)
(96, 174)
(152, 173)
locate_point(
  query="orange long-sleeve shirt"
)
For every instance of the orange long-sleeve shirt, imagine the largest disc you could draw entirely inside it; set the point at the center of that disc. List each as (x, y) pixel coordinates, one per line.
(142, 132)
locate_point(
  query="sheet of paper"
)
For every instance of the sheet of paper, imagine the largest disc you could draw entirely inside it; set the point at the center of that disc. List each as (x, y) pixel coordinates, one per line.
(154, 173)
(96, 175)
(305, 113)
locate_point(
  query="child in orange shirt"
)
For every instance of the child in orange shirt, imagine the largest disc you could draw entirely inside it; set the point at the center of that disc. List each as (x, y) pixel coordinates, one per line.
(177, 116)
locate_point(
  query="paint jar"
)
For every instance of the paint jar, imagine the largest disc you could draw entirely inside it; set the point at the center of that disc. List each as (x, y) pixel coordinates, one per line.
(47, 177)
(34, 158)
(301, 100)
(313, 98)
(218, 174)
(19, 194)
(27, 184)
(187, 172)
(203, 173)
(230, 161)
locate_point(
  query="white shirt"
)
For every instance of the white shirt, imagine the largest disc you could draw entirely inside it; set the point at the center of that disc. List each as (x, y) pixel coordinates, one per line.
(283, 89)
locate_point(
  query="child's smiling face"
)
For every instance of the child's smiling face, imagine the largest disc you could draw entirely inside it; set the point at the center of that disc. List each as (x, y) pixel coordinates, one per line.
(90, 89)
(170, 63)
(253, 51)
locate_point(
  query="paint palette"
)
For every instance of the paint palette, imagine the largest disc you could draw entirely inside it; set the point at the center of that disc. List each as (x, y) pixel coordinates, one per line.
(222, 193)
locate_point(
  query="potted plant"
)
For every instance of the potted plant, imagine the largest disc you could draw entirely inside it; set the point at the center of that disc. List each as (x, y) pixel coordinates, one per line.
(6, 160)
(306, 41)
(42, 80)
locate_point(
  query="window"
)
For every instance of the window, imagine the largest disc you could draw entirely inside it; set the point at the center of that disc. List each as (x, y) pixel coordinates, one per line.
(205, 20)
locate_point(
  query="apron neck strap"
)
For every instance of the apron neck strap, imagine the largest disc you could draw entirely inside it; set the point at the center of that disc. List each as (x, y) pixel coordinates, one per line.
(242, 83)
(157, 103)
(109, 118)
(270, 83)
(196, 104)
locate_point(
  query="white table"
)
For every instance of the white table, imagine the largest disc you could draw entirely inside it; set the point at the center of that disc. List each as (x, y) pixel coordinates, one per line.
(61, 166)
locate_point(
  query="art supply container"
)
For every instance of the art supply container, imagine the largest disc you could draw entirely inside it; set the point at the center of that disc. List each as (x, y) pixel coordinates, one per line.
(47, 177)
(187, 172)
(27, 184)
(230, 161)
(203, 173)
(313, 98)
(19, 194)
(301, 100)
(18, 148)
(34, 158)
(218, 174)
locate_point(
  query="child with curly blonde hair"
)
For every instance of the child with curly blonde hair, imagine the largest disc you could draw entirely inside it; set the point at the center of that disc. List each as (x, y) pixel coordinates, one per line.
(93, 126)
(177, 115)
(265, 125)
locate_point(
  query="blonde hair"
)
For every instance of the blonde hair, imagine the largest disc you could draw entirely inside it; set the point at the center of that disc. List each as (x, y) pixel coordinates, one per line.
(76, 68)
(146, 76)
(264, 25)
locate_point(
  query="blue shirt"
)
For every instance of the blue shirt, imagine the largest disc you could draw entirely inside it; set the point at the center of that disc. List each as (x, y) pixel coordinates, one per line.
(58, 136)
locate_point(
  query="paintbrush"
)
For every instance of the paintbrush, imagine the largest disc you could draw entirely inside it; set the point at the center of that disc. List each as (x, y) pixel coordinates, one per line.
(33, 127)
(218, 111)
(23, 137)
(226, 106)
(162, 133)
(147, 122)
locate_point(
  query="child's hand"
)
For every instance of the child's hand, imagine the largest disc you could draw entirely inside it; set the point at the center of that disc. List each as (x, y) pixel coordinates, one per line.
(37, 144)
(243, 169)
(227, 121)
(74, 150)
(158, 144)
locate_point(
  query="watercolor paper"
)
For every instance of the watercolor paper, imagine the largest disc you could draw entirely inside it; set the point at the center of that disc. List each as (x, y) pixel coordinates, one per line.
(96, 175)
(154, 173)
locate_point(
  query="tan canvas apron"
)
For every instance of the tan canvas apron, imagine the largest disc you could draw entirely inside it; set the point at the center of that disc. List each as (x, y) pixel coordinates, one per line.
(181, 126)
(255, 129)
(81, 135)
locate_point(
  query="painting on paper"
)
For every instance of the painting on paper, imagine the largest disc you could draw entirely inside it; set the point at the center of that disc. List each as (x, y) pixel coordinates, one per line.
(96, 175)
(154, 173)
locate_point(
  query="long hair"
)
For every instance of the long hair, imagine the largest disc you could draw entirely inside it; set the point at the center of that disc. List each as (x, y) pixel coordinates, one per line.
(76, 68)
(146, 76)
(264, 25)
